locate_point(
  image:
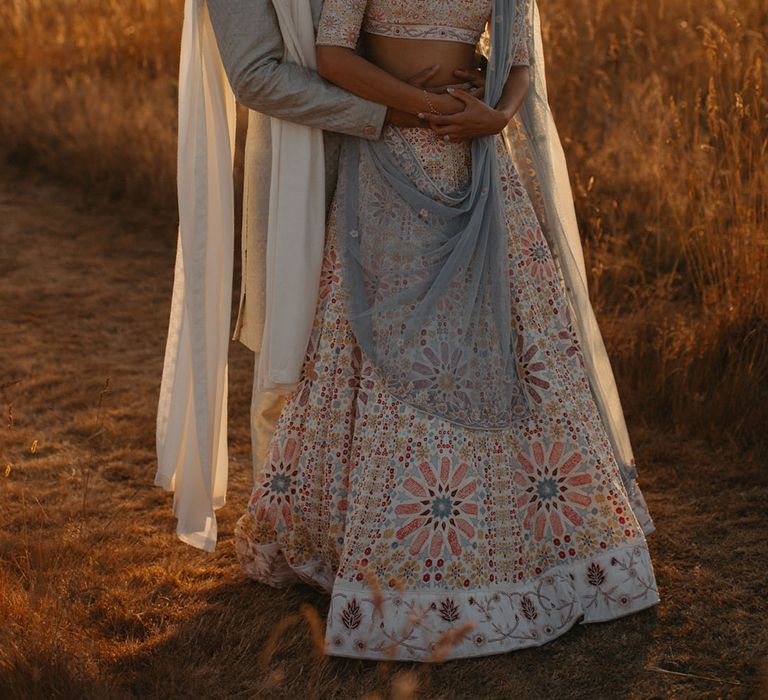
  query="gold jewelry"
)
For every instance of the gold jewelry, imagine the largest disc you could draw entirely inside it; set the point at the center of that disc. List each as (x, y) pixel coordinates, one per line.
(429, 103)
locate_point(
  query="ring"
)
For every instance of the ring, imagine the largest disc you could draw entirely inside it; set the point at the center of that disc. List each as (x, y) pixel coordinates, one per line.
(446, 138)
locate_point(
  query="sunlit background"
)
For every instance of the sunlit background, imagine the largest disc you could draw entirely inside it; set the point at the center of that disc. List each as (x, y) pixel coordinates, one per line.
(663, 108)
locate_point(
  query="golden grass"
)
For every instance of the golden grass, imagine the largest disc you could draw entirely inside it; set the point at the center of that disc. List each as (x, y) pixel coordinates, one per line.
(98, 599)
(663, 110)
(93, 89)
(665, 121)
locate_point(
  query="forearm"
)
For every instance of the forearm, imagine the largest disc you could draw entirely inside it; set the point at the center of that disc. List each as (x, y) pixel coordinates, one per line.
(347, 69)
(251, 47)
(514, 92)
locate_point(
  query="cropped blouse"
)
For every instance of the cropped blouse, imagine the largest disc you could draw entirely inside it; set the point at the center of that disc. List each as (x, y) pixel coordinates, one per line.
(450, 20)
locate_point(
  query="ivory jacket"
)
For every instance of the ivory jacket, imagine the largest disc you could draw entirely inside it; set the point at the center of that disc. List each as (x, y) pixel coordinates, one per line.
(251, 47)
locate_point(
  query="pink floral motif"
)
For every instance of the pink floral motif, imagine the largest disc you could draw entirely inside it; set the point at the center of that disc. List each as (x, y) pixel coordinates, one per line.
(330, 277)
(376, 288)
(537, 257)
(439, 508)
(444, 373)
(276, 487)
(510, 182)
(380, 207)
(569, 338)
(447, 301)
(529, 368)
(551, 490)
(362, 380)
(309, 371)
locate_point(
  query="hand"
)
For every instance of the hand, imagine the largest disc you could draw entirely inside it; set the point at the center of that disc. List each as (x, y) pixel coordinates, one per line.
(474, 83)
(442, 105)
(476, 119)
(398, 118)
(475, 78)
(403, 119)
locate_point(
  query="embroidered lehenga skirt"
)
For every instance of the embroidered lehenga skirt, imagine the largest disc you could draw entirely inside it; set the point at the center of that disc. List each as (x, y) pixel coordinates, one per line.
(436, 540)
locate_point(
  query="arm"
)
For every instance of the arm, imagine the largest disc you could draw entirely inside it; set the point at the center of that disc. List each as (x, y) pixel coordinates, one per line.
(480, 119)
(342, 66)
(337, 37)
(251, 47)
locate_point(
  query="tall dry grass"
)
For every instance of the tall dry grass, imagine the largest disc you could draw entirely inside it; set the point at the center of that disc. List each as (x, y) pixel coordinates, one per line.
(662, 105)
(666, 119)
(91, 89)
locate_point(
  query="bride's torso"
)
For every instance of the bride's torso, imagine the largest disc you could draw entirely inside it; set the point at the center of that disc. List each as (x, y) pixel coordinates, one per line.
(406, 36)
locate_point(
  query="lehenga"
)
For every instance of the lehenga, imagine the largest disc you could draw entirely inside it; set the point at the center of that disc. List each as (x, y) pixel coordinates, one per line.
(437, 540)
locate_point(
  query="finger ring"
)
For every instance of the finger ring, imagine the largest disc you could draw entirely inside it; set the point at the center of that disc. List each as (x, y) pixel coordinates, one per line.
(446, 138)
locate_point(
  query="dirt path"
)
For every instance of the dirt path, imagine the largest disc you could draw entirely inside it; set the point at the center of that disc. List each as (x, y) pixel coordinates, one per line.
(99, 599)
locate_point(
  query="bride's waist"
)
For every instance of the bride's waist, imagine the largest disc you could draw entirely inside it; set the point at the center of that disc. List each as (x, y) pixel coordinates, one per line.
(428, 159)
(405, 58)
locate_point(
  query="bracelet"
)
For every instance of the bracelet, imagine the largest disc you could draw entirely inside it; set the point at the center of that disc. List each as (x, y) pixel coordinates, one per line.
(429, 103)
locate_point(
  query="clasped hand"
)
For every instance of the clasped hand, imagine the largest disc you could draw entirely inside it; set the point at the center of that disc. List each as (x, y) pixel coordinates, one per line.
(460, 114)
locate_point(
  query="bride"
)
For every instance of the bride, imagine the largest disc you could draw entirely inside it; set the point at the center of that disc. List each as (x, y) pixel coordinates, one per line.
(453, 466)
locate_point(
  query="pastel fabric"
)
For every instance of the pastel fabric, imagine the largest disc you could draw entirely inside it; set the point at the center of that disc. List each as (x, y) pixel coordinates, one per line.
(433, 539)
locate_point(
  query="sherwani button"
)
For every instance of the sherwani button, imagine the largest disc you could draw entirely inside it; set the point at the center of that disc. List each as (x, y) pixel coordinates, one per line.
(369, 131)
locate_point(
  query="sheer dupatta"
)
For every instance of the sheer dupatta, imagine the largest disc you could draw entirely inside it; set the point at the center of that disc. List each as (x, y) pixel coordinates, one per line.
(425, 251)
(428, 270)
(534, 144)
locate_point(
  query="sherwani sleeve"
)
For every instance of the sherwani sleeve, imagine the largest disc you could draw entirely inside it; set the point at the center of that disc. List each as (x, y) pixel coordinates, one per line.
(249, 39)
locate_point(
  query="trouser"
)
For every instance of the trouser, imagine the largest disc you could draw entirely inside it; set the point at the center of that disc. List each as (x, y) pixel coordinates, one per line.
(265, 410)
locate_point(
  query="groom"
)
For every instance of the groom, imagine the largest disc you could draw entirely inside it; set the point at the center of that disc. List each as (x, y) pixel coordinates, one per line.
(251, 47)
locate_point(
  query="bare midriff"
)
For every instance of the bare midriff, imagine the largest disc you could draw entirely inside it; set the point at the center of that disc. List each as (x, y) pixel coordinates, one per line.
(404, 58)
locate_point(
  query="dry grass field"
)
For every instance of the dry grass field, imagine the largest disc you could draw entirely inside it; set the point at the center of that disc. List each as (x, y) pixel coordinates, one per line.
(664, 111)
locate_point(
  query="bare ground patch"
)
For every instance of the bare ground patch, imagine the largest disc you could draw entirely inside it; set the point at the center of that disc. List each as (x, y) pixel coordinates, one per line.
(99, 599)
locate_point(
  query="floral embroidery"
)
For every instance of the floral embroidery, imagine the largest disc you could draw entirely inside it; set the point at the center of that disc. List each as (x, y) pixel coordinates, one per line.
(351, 615)
(551, 492)
(459, 526)
(450, 20)
(537, 257)
(449, 611)
(440, 508)
(362, 381)
(274, 494)
(530, 369)
(444, 374)
(330, 273)
(492, 621)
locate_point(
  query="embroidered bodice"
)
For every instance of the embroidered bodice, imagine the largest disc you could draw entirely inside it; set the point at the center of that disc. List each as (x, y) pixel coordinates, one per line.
(450, 20)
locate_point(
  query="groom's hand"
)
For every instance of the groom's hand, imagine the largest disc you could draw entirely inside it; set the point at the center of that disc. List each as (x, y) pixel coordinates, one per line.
(473, 83)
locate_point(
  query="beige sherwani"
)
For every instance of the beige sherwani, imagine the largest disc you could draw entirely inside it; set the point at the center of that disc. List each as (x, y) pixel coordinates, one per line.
(251, 48)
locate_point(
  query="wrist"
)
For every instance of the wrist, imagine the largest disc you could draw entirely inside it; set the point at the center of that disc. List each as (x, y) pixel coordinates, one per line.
(503, 117)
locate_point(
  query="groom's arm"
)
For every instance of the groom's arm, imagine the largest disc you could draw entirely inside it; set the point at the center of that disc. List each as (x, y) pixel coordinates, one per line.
(251, 46)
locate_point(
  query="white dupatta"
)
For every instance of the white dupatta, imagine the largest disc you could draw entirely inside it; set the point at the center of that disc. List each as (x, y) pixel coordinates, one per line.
(192, 408)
